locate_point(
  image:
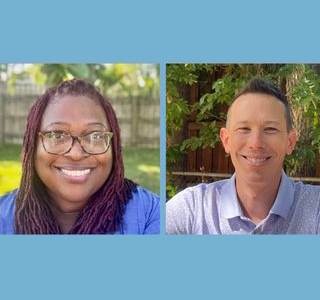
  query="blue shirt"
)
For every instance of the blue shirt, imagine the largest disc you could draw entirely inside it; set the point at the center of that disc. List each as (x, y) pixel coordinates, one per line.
(142, 214)
(214, 209)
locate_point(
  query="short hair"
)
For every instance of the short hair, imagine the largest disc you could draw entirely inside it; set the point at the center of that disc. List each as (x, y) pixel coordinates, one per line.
(260, 86)
(104, 211)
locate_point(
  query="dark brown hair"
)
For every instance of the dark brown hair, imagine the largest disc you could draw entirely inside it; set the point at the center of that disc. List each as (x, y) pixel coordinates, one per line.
(104, 210)
(260, 86)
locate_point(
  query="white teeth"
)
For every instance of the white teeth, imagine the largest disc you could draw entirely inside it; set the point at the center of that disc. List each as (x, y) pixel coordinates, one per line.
(256, 160)
(75, 172)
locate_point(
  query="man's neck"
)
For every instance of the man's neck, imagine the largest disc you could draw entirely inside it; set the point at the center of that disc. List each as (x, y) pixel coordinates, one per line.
(256, 199)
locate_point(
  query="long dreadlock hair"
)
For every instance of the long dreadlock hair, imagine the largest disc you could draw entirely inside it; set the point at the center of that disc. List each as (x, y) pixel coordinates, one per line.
(104, 210)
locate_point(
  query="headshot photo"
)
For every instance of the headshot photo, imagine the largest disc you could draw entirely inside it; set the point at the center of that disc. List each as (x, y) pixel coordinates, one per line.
(79, 150)
(243, 146)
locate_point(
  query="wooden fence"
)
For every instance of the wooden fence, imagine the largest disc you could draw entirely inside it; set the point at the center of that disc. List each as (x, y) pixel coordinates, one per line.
(208, 164)
(139, 119)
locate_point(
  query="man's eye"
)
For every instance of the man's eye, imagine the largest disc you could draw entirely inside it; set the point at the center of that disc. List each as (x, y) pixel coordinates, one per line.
(244, 129)
(270, 129)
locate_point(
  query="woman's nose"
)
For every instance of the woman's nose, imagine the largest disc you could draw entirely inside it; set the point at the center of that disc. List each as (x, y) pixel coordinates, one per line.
(76, 152)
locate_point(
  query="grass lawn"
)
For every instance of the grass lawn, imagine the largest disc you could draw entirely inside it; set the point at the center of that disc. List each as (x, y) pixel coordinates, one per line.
(141, 165)
(10, 168)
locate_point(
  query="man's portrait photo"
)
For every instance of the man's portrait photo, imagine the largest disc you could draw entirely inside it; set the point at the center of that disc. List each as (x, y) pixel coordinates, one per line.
(243, 149)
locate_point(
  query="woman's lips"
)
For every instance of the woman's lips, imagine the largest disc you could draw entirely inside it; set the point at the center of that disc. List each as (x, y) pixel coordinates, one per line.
(74, 175)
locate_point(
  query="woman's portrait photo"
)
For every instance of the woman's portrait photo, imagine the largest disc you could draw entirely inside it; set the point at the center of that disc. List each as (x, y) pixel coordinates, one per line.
(83, 169)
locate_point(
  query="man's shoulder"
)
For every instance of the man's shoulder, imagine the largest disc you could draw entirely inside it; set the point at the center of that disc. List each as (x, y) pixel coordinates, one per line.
(191, 207)
(307, 192)
(200, 192)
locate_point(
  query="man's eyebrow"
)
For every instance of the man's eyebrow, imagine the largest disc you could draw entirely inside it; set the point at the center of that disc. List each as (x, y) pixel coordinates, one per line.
(265, 123)
(272, 122)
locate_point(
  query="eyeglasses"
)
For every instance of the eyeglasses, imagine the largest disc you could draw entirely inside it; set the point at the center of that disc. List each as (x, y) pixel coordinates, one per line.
(60, 142)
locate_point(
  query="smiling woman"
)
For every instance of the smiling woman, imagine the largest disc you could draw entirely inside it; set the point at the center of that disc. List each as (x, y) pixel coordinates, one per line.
(72, 171)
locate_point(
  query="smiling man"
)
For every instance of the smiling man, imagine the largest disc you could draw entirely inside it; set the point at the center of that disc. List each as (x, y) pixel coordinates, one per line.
(259, 198)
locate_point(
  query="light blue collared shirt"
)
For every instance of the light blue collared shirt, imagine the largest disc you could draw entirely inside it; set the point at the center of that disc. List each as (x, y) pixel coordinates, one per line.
(214, 209)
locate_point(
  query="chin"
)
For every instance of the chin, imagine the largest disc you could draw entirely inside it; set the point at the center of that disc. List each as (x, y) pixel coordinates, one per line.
(253, 176)
(71, 200)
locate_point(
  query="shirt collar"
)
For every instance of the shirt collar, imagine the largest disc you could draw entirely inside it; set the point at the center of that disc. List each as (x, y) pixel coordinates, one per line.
(230, 206)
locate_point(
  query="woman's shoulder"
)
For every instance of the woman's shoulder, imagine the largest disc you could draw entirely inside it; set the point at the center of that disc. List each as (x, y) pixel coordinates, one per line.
(7, 202)
(143, 208)
(144, 196)
(7, 205)
(143, 199)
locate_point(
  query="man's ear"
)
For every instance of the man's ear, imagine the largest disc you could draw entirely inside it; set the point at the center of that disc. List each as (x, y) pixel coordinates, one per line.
(292, 140)
(224, 136)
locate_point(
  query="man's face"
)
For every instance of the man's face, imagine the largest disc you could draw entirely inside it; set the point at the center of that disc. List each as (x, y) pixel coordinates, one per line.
(257, 137)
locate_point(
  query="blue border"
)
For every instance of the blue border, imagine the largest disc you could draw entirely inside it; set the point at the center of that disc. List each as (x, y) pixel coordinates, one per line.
(162, 145)
(159, 267)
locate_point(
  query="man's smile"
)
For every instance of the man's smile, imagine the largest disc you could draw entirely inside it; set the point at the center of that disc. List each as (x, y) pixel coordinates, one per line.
(256, 160)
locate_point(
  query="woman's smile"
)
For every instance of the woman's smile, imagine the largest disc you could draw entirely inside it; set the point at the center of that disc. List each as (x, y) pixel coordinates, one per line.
(74, 174)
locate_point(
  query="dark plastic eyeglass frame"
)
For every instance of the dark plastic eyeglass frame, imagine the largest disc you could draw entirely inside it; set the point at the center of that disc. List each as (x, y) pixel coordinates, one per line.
(79, 138)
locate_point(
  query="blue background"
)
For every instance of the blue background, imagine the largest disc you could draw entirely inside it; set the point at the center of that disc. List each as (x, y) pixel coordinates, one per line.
(159, 267)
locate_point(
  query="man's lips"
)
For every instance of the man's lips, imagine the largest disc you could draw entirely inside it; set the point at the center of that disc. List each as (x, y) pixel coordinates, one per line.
(257, 160)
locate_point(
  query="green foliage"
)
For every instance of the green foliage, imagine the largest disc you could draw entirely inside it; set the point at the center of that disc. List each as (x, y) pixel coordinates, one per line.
(303, 86)
(174, 155)
(111, 79)
(171, 190)
(208, 137)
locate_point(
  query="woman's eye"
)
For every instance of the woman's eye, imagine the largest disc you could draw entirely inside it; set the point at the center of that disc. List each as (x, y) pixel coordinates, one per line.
(56, 135)
(97, 135)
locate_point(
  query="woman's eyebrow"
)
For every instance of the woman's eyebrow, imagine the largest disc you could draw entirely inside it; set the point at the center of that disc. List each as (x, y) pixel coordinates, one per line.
(68, 124)
(96, 123)
(57, 123)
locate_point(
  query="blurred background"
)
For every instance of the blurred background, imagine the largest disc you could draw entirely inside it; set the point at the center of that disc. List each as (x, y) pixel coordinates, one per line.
(133, 90)
(198, 98)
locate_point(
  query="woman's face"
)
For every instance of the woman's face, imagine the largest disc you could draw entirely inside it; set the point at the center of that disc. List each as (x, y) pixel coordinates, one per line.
(71, 178)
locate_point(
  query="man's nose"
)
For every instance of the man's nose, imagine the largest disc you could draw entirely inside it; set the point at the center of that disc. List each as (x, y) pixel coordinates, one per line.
(257, 140)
